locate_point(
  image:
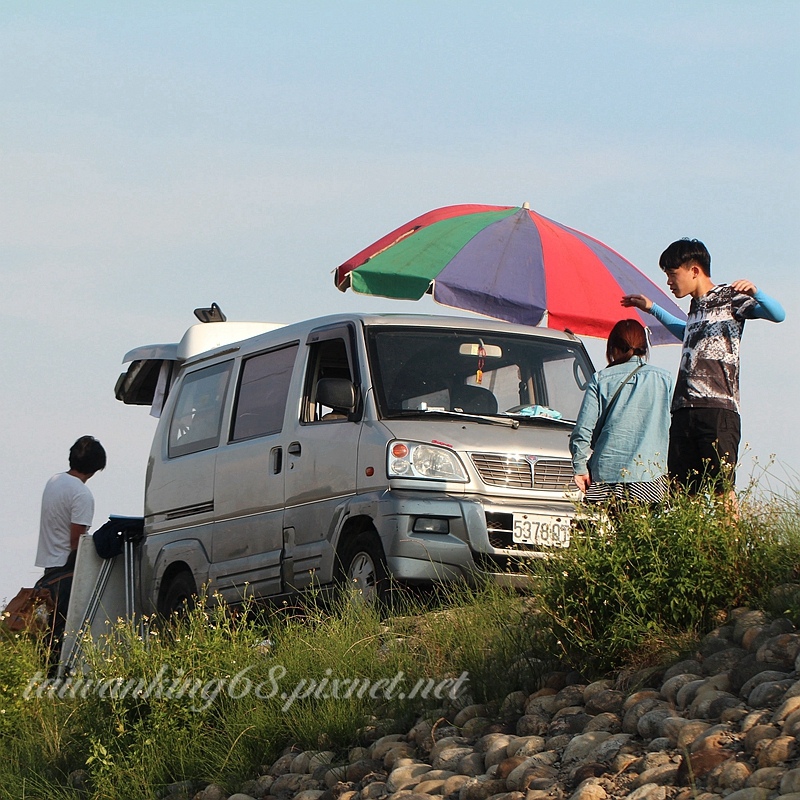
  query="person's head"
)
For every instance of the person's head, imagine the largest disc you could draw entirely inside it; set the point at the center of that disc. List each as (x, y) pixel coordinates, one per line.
(687, 265)
(686, 251)
(627, 339)
(87, 456)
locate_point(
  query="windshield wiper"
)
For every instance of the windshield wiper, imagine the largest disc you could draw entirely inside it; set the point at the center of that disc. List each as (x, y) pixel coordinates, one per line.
(539, 418)
(440, 412)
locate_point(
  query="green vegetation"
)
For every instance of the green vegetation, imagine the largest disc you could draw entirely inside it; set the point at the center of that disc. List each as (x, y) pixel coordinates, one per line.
(219, 694)
(632, 591)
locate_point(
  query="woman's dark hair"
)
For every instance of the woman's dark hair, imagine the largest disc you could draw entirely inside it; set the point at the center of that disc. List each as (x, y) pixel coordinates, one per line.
(686, 251)
(87, 455)
(627, 339)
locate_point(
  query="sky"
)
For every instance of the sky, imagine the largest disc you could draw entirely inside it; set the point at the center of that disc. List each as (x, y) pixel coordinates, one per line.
(157, 157)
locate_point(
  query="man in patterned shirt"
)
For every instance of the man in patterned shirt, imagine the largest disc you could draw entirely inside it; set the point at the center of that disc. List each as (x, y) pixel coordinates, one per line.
(705, 430)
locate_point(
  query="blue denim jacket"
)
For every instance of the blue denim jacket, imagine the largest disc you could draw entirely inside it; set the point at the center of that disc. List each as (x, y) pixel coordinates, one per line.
(632, 446)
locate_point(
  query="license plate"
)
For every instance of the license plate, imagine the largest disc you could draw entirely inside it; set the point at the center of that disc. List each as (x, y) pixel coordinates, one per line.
(541, 530)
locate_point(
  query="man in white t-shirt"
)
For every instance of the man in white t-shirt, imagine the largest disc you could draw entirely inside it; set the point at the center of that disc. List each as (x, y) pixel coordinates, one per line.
(67, 511)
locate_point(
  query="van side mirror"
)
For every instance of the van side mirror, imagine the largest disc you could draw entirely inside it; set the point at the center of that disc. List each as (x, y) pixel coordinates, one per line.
(338, 393)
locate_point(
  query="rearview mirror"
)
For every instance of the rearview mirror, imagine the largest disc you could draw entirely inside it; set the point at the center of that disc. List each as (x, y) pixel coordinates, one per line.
(490, 350)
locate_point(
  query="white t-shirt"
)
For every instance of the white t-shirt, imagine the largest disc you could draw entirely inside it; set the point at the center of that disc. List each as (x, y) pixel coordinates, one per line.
(66, 501)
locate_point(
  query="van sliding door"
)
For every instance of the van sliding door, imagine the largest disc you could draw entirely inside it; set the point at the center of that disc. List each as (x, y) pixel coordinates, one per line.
(249, 485)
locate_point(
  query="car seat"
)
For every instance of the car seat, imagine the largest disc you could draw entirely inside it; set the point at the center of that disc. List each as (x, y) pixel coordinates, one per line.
(473, 400)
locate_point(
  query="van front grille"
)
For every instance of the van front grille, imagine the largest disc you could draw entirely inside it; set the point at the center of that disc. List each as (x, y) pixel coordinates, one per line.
(500, 470)
(552, 474)
(498, 527)
(518, 472)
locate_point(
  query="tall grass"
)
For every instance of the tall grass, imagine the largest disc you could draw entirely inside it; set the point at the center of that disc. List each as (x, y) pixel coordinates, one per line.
(635, 581)
(496, 635)
(220, 694)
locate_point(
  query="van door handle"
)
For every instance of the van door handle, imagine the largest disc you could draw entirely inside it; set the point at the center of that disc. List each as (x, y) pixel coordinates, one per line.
(277, 460)
(294, 449)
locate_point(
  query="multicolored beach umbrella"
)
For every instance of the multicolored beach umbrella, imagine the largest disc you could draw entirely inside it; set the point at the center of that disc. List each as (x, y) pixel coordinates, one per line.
(508, 263)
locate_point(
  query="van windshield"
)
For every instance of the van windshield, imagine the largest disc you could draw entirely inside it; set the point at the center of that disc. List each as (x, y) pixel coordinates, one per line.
(476, 372)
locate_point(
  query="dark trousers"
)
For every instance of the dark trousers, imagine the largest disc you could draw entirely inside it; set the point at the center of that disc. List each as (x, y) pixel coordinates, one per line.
(703, 444)
(58, 581)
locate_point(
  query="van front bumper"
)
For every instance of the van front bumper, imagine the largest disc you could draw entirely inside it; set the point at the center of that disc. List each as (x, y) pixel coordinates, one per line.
(476, 539)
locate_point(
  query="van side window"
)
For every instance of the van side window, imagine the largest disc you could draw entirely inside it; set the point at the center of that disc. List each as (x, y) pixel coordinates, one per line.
(327, 359)
(196, 419)
(263, 389)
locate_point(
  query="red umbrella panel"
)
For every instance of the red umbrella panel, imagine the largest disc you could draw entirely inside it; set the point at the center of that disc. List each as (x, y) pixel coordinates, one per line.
(508, 263)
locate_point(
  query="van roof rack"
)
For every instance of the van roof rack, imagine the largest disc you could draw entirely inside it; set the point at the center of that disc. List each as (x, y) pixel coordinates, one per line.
(211, 314)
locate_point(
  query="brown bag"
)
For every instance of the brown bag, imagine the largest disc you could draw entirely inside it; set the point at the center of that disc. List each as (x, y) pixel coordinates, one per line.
(30, 610)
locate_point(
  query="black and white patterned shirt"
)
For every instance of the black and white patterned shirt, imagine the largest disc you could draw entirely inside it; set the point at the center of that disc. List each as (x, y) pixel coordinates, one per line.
(708, 376)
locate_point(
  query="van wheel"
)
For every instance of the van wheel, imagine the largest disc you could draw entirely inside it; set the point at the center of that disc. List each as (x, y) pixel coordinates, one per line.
(179, 597)
(362, 565)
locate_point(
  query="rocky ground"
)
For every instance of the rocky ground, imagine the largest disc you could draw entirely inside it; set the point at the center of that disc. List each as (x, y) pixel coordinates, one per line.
(722, 724)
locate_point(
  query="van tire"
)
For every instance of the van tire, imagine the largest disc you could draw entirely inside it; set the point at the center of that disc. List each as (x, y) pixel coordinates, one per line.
(361, 563)
(179, 597)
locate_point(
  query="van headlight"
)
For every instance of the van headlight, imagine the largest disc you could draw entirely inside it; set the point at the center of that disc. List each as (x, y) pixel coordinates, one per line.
(418, 460)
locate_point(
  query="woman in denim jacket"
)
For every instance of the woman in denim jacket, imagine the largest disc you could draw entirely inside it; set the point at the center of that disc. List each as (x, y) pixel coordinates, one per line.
(621, 437)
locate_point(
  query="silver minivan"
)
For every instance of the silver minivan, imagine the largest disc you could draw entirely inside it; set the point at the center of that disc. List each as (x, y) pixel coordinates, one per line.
(355, 447)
